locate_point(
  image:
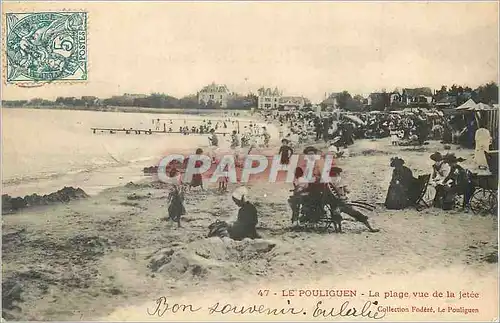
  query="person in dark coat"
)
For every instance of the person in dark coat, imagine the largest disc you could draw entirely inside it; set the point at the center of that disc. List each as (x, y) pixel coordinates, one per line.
(197, 179)
(285, 152)
(399, 194)
(176, 207)
(244, 226)
(318, 128)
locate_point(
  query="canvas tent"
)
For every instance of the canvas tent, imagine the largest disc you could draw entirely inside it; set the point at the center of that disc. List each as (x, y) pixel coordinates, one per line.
(468, 105)
(482, 106)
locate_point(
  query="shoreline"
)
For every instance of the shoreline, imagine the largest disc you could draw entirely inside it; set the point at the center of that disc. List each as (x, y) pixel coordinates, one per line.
(112, 174)
(132, 109)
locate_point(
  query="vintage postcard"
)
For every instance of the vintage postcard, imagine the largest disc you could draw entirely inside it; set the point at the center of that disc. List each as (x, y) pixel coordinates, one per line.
(250, 161)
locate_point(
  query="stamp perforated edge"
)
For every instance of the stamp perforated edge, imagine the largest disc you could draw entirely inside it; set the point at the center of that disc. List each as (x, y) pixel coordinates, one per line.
(32, 84)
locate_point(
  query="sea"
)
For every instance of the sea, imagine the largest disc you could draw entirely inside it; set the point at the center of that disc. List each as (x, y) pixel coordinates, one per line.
(44, 150)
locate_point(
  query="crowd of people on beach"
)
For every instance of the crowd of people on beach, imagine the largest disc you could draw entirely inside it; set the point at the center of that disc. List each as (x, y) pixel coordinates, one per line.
(339, 131)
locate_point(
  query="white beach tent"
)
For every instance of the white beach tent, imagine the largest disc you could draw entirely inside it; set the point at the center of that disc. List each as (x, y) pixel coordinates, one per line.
(469, 105)
(482, 106)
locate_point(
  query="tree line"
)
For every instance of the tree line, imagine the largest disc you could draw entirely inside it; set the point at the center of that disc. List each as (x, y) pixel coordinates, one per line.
(154, 100)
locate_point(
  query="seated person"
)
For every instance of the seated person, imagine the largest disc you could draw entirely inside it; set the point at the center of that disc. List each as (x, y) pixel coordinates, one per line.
(399, 194)
(245, 224)
(456, 183)
(300, 191)
(440, 170)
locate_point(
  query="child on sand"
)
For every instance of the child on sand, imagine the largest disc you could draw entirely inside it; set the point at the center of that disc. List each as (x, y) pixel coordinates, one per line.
(285, 151)
(175, 202)
(197, 179)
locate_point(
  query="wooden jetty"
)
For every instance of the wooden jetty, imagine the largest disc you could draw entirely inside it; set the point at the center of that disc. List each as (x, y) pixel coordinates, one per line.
(149, 131)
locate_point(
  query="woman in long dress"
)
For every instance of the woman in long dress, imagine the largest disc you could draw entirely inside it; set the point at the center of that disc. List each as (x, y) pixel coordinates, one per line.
(399, 194)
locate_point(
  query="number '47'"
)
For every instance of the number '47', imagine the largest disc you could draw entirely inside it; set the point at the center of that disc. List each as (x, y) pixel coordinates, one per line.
(263, 292)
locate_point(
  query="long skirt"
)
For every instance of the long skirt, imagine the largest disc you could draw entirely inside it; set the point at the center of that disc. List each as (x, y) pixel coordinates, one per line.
(397, 197)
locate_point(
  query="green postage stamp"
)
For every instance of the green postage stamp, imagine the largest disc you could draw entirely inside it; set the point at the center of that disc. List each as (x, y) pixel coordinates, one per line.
(46, 46)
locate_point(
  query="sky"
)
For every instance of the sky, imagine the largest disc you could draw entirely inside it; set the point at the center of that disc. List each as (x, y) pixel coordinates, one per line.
(303, 48)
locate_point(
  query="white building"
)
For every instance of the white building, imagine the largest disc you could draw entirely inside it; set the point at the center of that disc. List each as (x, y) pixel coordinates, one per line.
(214, 94)
(293, 102)
(269, 99)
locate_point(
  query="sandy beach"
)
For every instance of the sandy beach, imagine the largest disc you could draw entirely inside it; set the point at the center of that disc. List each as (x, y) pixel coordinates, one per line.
(100, 98)
(110, 257)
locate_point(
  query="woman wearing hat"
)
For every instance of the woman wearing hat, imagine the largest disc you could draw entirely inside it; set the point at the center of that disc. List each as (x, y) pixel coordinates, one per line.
(456, 183)
(400, 189)
(440, 170)
(246, 222)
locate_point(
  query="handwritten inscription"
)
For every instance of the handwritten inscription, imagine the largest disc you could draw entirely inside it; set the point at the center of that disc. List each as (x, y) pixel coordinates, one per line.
(162, 307)
(346, 310)
(251, 309)
(333, 304)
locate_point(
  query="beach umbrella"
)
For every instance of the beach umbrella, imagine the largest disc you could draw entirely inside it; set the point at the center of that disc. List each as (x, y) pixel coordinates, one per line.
(354, 119)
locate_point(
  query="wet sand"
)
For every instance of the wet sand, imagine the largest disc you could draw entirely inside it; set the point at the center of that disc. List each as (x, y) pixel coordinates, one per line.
(110, 257)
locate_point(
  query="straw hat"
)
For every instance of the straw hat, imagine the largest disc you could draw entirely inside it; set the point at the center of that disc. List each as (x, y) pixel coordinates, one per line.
(310, 149)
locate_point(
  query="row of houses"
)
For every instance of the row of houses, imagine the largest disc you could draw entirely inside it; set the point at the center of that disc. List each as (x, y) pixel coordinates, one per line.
(268, 98)
(405, 97)
(273, 99)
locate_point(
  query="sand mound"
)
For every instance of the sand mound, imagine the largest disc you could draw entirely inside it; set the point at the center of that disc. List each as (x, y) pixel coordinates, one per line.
(213, 257)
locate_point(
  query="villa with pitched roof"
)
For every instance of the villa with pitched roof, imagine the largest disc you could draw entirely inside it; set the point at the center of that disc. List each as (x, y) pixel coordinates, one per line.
(293, 102)
(268, 98)
(214, 94)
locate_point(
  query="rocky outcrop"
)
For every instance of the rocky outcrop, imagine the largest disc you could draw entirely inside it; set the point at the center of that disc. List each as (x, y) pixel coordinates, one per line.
(150, 170)
(13, 204)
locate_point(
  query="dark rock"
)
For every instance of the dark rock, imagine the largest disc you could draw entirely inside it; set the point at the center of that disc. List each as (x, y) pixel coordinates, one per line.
(6, 203)
(131, 185)
(491, 258)
(150, 170)
(134, 196)
(64, 195)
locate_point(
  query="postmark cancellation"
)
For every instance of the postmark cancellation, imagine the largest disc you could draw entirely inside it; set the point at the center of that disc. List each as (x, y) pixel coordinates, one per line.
(46, 47)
